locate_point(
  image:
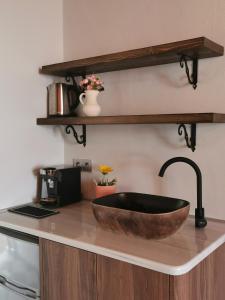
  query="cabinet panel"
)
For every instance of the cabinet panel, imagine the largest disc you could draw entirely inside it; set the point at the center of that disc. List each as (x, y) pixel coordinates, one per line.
(67, 273)
(118, 280)
(71, 274)
(205, 282)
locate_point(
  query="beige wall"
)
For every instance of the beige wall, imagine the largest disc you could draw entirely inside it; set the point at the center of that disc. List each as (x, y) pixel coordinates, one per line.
(31, 35)
(137, 152)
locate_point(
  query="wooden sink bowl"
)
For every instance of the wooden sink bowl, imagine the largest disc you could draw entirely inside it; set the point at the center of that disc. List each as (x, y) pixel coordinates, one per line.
(144, 215)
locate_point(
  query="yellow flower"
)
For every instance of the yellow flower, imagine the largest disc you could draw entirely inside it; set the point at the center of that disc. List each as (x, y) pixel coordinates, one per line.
(104, 169)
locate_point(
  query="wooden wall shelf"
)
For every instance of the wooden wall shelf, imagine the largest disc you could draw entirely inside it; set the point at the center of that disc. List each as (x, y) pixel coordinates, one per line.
(200, 47)
(181, 119)
(181, 51)
(191, 118)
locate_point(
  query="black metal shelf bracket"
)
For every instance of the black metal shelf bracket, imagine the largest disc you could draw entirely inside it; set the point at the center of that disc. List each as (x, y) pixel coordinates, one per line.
(80, 139)
(69, 78)
(193, 78)
(190, 142)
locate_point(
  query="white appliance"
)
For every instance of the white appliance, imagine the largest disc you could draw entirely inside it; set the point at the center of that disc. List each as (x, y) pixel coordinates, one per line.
(19, 266)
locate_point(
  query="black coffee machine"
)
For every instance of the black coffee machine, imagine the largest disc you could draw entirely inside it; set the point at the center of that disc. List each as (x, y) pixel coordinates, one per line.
(60, 186)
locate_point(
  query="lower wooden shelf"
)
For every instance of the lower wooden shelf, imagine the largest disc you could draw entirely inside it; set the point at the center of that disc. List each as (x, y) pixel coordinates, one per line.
(190, 118)
(181, 119)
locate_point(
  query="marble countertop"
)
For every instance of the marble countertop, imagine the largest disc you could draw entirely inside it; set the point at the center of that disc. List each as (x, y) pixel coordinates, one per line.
(76, 226)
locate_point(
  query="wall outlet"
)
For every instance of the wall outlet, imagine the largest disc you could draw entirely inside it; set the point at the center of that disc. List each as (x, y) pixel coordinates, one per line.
(85, 164)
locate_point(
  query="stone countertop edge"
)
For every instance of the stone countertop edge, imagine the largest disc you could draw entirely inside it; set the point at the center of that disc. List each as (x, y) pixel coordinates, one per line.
(145, 263)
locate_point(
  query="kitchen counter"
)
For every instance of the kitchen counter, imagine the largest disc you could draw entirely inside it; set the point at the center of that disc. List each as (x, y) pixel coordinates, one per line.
(76, 226)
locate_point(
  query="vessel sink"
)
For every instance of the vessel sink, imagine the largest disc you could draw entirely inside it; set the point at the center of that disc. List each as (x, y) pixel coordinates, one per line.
(144, 215)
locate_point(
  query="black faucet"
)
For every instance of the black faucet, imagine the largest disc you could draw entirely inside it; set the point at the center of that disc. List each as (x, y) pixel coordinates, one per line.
(200, 220)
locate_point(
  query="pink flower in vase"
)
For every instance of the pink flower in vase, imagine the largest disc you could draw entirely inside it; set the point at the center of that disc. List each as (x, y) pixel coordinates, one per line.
(91, 83)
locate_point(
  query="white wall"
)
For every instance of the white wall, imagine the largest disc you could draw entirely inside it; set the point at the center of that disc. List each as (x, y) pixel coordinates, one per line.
(31, 36)
(137, 152)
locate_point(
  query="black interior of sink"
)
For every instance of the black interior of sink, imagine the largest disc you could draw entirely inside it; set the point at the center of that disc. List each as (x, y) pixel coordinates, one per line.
(144, 203)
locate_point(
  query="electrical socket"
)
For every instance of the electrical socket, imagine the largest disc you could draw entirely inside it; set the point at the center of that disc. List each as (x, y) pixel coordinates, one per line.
(84, 164)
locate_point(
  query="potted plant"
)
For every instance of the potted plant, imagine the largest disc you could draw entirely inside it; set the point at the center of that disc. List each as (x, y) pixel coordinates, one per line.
(105, 186)
(91, 87)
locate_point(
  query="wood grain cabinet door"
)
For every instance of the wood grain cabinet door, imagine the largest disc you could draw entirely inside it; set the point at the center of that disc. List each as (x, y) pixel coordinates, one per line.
(67, 273)
(205, 282)
(117, 280)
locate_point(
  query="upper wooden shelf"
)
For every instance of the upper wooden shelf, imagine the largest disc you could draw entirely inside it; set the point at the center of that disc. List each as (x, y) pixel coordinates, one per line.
(192, 118)
(200, 47)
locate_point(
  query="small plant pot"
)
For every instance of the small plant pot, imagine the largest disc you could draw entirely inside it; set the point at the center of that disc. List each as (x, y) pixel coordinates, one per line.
(101, 191)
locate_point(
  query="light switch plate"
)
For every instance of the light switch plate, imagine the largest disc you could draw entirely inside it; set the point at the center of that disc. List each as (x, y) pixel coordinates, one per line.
(84, 164)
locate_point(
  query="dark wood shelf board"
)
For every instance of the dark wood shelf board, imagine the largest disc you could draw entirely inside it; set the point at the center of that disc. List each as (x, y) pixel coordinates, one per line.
(200, 47)
(190, 118)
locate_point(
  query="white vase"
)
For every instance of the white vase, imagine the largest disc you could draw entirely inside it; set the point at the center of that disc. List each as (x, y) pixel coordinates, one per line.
(89, 101)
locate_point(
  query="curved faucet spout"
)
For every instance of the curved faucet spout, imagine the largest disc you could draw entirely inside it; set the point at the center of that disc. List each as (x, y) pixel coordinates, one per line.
(200, 220)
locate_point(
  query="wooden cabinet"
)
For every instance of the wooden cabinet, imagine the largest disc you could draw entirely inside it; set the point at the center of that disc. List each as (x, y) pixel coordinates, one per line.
(118, 280)
(68, 273)
(205, 282)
